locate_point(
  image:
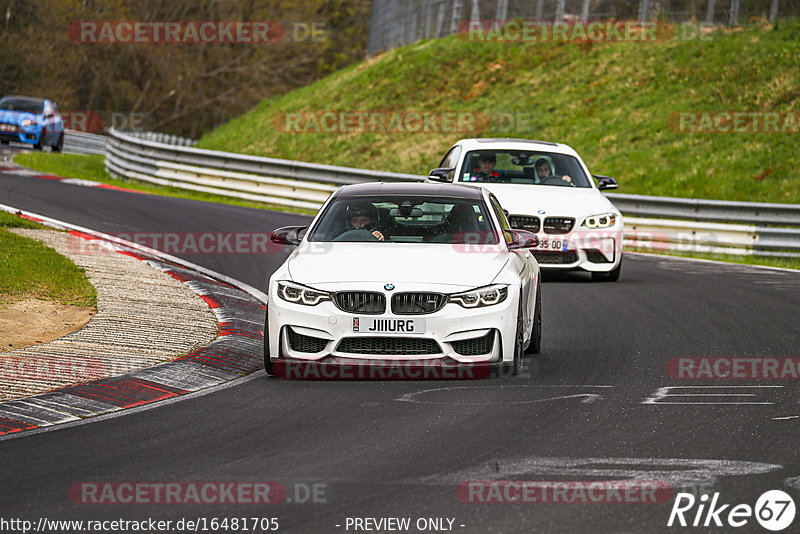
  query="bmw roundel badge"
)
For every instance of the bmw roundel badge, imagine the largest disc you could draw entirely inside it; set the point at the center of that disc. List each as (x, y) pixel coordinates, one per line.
(541, 212)
(388, 287)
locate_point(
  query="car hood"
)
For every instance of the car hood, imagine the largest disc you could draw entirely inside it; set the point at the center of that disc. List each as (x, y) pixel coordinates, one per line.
(554, 200)
(466, 266)
(16, 117)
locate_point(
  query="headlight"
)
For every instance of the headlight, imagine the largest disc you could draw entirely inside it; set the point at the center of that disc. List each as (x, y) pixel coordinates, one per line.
(600, 221)
(28, 122)
(298, 294)
(483, 296)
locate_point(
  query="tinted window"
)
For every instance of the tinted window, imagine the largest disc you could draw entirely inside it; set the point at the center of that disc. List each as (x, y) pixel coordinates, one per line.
(406, 220)
(21, 104)
(522, 167)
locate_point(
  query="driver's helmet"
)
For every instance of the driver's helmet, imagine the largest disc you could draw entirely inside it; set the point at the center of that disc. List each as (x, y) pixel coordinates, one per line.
(361, 208)
(546, 161)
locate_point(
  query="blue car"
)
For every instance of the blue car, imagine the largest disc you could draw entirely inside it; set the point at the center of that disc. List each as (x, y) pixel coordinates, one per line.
(30, 120)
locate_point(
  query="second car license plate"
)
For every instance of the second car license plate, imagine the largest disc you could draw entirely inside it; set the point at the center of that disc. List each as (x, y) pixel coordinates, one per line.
(553, 244)
(373, 325)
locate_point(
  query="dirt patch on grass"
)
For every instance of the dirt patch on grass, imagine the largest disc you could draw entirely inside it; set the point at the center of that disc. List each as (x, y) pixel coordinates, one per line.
(32, 321)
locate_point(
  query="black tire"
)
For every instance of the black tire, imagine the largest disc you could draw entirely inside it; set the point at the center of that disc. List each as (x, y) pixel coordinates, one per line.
(267, 360)
(519, 349)
(610, 276)
(40, 142)
(59, 146)
(535, 346)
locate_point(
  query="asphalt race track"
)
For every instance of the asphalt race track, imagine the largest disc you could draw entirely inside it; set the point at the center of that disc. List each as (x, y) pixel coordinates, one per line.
(593, 406)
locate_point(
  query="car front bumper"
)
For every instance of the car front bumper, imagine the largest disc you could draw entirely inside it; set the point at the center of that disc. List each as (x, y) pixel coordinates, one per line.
(454, 338)
(598, 251)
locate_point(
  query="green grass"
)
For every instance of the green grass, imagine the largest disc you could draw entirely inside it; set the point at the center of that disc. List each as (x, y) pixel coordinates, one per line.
(29, 269)
(610, 101)
(92, 168)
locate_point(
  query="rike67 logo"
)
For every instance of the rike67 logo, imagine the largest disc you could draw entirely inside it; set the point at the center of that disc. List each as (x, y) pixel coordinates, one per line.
(774, 511)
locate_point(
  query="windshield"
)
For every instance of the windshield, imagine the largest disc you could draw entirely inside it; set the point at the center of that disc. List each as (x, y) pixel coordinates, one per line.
(405, 220)
(21, 104)
(523, 167)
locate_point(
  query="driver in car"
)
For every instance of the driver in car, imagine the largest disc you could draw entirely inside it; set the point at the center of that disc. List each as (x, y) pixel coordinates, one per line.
(543, 171)
(362, 216)
(485, 171)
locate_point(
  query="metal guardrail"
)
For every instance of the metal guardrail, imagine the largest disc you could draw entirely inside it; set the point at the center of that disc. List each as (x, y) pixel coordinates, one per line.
(84, 143)
(654, 223)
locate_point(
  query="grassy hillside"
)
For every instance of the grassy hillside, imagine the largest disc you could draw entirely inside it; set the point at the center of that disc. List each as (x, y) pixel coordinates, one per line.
(611, 101)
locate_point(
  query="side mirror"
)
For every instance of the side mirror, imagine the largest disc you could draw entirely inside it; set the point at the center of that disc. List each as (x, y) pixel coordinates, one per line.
(523, 239)
(442, 174)
(605, 182)
(288, 235)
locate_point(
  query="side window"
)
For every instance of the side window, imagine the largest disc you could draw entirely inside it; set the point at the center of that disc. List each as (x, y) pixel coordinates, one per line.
(498, 211)
(450, 159)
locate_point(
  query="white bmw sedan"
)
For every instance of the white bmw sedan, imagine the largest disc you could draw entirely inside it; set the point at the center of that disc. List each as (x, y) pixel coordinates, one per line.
(404, 281)
(547, 189)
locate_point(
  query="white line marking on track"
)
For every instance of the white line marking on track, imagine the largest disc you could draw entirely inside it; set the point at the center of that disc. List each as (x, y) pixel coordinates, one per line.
(588, 398)
(667, 393)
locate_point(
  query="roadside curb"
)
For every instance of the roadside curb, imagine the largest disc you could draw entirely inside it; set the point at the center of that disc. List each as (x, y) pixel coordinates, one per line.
(236, 351)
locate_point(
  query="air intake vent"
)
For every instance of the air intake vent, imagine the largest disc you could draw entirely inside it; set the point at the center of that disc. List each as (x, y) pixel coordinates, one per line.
(555, 257)
(475, 346)
(389, 345)
(303, 343)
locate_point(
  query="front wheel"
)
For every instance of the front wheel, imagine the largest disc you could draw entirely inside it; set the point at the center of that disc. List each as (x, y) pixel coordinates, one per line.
(535, 346)
(59, 146)
(610, 276)
(267, 359)
(40, 142)
(519, 348)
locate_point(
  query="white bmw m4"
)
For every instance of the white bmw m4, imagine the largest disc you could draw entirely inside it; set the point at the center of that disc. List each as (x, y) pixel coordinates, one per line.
(404, 280)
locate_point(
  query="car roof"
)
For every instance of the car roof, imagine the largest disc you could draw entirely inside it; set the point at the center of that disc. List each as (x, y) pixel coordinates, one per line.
(410, 188)
(30, 98)
(509, 143)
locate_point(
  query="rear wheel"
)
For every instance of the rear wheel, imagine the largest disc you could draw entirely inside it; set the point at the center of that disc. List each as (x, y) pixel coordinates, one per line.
(610, 276)
(267, 359)
(535, 346)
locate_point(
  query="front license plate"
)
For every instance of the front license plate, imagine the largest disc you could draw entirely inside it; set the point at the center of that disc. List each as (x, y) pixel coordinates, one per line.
(7, 128)
(553, 244)
(372, 325)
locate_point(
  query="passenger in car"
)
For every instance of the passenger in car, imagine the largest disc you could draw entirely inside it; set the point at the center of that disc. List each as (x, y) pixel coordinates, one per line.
(485, 171)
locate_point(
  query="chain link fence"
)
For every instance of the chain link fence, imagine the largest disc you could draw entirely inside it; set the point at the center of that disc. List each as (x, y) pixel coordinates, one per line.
(399, 22)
